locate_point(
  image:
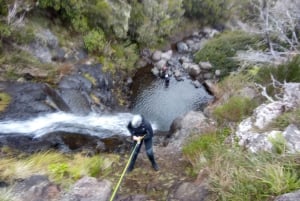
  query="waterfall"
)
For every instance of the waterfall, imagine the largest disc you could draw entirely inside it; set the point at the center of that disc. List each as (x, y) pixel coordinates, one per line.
(93, 124)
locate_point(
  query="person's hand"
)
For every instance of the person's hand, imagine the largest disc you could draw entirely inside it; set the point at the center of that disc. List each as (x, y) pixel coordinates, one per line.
(138, 139)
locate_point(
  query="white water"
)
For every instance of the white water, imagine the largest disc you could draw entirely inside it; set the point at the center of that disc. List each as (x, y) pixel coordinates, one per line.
(93, 124)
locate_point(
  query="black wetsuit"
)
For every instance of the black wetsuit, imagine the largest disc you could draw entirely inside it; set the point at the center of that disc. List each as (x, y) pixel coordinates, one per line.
(145, 129)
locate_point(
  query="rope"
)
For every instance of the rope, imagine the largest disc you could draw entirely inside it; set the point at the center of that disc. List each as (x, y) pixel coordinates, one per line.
(124, 171)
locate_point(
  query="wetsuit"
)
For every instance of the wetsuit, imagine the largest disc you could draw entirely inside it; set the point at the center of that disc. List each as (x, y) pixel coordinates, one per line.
(145, 129)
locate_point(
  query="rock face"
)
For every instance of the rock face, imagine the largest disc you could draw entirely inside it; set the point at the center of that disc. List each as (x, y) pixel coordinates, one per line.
(89, 189)
(251, 134)
(185, 125)
(87, 90)
(289, 196)
(36, 188)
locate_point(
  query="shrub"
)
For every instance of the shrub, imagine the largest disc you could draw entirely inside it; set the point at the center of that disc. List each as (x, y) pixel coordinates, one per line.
(221, 50)
(234, 110)
(95, 41)
(210, 11)
(289, 72)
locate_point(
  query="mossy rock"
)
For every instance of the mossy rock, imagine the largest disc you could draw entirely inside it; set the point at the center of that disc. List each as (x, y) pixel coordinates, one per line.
(4, 100)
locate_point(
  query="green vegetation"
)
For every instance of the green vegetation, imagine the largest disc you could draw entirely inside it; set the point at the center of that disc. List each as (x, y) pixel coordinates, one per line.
(63, 169)
(95, 41)
(289, 72)
(209, 11)
(235, 109)
(4, 100)
(278, 142)
(287, 118)
(238, 175)
(221, 50)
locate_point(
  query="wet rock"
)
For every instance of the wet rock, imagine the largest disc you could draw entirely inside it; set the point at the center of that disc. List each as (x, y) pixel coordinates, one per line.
(28, 100)
(182, 47)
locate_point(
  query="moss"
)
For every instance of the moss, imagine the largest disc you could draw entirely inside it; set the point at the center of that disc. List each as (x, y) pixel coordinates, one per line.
(4, 100)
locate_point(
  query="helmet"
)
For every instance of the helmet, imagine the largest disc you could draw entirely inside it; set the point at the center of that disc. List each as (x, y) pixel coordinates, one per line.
(136, 121)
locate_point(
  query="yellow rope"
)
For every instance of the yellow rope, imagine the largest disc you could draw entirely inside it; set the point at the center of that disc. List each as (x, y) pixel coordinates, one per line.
(124, 171)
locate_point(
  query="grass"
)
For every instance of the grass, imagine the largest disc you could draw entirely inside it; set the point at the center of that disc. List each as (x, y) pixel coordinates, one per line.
(234, 110)
(237, 175)
(63, 169)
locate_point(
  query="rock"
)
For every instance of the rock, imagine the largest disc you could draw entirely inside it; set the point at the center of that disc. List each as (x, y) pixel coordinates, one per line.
(182, 47)
(194, 70)
(217, 72)
(292, 136)
(205, 65)
(185, 125)
(156, 56)
(167, 55)
(293, 196)
(190, 192)
(133, 198)
(211, 87)
(89, 189)
(36, 188)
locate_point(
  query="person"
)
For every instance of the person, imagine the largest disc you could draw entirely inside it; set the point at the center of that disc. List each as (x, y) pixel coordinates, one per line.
(141, 131)
(167, 79)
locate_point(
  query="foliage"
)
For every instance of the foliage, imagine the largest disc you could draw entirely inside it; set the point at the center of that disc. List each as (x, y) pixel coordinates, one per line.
(210, 11)
(279, 143)
(239, 175)
(289, 72)
(201, 146)
(234, 110)
(151, 21)
(62, 168)
(221, 50)
(95, 41)
(4, 100)
(287, 118)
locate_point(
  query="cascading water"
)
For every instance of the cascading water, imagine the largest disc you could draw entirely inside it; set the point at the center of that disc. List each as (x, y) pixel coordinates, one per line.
(101, 126)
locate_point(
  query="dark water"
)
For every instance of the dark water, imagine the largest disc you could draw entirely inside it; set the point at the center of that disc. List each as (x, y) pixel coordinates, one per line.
(161, 104)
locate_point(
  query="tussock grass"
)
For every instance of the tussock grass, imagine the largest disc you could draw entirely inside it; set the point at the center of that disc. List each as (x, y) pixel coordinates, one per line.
(234, 110)
(238, 175)
(61, 168)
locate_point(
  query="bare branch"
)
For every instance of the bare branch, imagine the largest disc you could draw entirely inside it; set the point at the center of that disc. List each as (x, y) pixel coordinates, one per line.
(264, 92)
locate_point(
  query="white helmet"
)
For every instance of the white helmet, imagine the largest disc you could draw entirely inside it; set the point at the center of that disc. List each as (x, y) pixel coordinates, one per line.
(136, 121)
